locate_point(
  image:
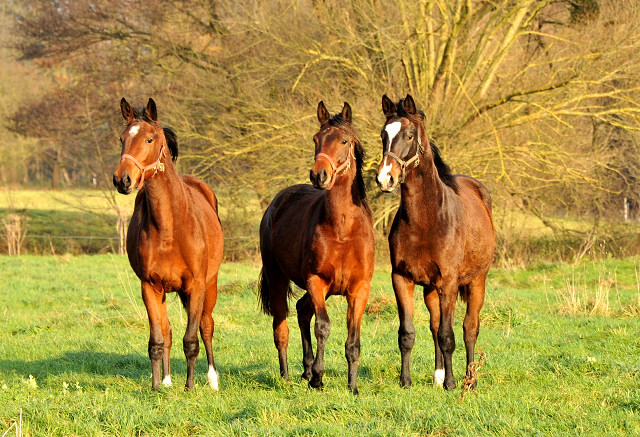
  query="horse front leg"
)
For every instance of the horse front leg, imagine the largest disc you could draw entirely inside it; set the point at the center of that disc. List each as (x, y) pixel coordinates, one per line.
(446, 338)
(357, 301)
(305, 313)
(157, 312)
(190, 344)
(403, 288)
(317, 289)
(432, 301)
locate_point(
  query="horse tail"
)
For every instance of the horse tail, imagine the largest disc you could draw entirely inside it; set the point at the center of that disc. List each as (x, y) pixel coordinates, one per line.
(264, 295)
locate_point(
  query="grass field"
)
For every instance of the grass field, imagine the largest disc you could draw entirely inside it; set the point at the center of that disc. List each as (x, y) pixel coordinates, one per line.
(560, 341)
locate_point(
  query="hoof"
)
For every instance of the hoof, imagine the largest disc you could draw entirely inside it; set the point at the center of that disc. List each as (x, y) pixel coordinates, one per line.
(316, 384)
(306, 375)
(405, 382)
(449, 385)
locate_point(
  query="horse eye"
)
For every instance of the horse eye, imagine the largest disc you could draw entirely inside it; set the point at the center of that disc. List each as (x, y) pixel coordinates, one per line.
(344, 142)
(149, 140)
(410, 136)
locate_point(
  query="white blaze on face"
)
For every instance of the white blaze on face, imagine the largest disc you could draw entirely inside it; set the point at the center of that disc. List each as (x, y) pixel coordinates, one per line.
(213, 378)
(438, 377)
(392, 130)
(384, 175)
(167, 381)
(134, 130)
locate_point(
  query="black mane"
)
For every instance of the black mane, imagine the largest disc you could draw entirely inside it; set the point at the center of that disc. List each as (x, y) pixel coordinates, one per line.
(338, 122)
(444, 171)
(171, 137)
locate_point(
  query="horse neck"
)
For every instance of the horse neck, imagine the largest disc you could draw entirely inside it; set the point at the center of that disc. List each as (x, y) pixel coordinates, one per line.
(164, 195)
(343, 201)
(423, 194)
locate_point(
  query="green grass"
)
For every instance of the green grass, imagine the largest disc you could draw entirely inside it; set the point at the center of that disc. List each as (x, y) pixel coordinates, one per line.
(73, 340)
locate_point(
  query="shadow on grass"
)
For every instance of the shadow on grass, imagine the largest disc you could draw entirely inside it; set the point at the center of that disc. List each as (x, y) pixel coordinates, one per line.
(137, 367)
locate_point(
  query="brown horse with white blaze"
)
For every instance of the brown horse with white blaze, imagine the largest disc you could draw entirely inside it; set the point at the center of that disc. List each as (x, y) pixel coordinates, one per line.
(174, 240)
(442, 237)
(321, 239)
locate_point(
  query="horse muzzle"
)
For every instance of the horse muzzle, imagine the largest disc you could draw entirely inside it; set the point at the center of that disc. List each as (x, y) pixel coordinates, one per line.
(320, 180)
(123, 184)
(386, 181)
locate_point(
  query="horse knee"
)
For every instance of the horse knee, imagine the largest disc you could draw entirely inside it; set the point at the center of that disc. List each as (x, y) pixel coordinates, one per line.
(446, 341)
(322, 329)
(406, 339)
(352, 351)
(191, 348)
(155, 350)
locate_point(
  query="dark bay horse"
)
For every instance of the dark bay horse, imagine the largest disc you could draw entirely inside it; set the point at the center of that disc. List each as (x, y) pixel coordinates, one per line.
(321, 239)
(442, 237)
(174, 240)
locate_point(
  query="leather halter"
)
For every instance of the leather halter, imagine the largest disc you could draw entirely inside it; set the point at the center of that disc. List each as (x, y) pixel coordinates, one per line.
(346, 165)
(155, 166)
(404, 164)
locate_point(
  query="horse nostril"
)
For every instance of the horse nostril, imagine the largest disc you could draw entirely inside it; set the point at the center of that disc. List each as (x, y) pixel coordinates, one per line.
(322, 177)
(311, 176)
(115, 181)
(391, 182)
(126, 181)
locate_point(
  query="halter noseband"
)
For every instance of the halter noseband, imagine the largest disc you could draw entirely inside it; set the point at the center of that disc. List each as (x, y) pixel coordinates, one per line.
(346, 165)
(156, 166)
(404, 164)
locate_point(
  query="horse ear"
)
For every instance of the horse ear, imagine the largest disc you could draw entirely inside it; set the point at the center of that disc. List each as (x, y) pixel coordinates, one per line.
(346, 112)
(323, 114)
(127, 110)
(388, 108)
(409, 105)
(151, 110)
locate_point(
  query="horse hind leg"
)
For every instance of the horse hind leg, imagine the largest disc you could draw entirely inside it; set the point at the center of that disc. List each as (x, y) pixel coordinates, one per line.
(190, 344)
(317, 289)
(207, 326)
(275, 290)
(475, 299)
(305, 313)
(432, 301)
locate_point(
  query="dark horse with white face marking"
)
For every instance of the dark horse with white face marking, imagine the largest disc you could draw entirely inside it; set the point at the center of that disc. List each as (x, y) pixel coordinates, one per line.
(174, 241)
(321, 239)
(442, 237)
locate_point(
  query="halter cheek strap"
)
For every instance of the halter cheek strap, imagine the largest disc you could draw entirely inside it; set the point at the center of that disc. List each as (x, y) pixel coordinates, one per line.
(404, 164)
(155, 166)
(346, 165)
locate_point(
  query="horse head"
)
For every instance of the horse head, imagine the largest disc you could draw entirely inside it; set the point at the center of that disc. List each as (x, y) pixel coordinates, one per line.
(403, 136)
(144, 145)
(334, 147)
